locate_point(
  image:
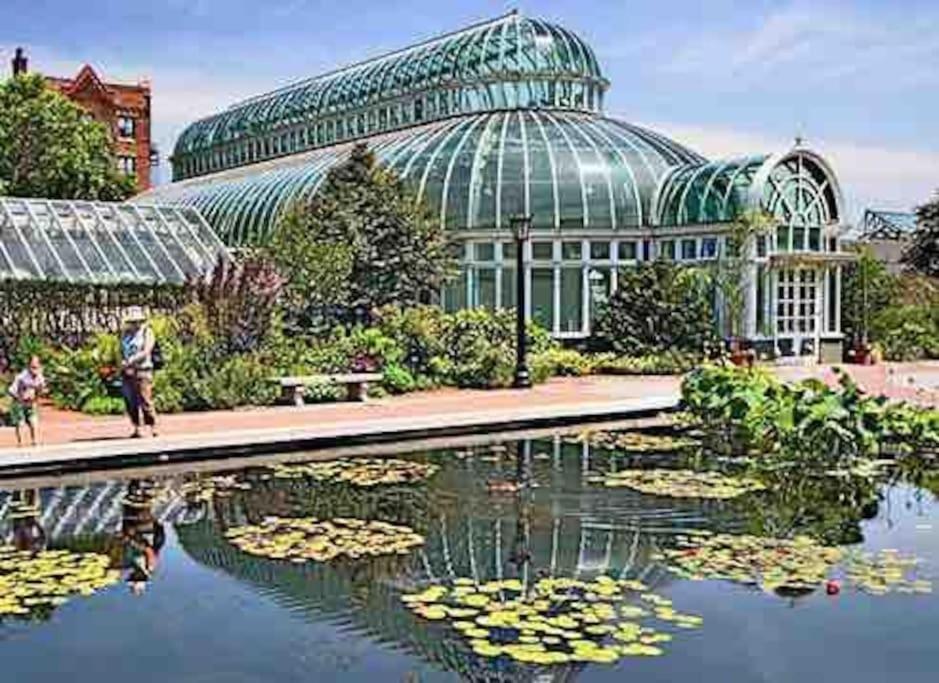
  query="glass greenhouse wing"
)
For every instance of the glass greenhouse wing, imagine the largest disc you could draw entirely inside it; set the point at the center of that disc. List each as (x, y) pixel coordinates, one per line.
(98, 242)
(512, 61)
(565, 169)
(798, 188)
(891, 225)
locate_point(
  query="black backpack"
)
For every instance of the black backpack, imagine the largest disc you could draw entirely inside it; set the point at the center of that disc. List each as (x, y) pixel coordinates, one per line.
(156, 356)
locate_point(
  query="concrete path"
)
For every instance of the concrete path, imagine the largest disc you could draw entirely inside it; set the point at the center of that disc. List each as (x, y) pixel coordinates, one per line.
(74, 442)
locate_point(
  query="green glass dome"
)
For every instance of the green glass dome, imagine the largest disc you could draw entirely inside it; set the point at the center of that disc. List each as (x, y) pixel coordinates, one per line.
(513, 61)
(567, 170)
(798, 187)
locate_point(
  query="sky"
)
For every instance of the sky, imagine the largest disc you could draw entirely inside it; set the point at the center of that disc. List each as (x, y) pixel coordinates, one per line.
(857, 80)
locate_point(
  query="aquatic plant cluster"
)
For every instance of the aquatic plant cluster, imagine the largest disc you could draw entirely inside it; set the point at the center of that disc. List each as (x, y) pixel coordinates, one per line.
(683, 483)
(307, 539)
(750, 410)
(359, 472)
(31, 582)
(796, 564)
(553, 621)
(636, 442)
(887, 571)
(206, 489)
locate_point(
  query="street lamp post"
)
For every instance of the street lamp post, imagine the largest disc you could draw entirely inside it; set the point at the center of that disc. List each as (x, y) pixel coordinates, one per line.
(521, 229)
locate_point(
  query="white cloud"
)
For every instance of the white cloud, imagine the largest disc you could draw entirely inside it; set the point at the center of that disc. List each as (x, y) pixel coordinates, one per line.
(801, 44)
(870, 176)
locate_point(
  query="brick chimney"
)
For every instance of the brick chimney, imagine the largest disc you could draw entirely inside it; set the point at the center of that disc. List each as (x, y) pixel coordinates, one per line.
(20, 63)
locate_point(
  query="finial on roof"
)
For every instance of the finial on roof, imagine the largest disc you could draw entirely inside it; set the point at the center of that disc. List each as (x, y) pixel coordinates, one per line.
(20, 63)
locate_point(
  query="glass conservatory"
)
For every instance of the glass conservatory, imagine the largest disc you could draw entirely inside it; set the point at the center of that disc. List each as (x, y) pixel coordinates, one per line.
(505, 118)
(103, 243)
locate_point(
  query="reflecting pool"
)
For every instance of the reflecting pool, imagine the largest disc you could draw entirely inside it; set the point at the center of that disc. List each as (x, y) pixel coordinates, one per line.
(486, 555)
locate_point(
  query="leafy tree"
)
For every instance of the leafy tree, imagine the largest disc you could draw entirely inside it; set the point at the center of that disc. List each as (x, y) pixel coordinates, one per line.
(658, 307)
(50, 147)
(732, 267)
(317, 273)
(362, 242)
(868, 290)
(923, 254)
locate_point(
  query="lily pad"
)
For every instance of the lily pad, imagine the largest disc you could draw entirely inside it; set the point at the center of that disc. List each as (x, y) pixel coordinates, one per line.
(636, 442)
(365, 472)
(312, 540)
(683, 483)
(34, 581)
(553, 621)
(786, 565)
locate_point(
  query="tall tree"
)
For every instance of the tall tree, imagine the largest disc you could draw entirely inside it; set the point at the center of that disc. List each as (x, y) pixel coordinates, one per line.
(365, 240)
(868, 290)
(923, 253)
(50, 147)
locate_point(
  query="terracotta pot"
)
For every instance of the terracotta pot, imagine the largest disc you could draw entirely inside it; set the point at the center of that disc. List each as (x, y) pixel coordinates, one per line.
(862, 355)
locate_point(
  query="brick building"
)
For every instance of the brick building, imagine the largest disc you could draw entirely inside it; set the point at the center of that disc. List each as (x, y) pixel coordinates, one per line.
(124, 108)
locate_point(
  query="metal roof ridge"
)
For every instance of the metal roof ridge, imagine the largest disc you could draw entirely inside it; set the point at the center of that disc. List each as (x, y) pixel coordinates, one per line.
(373, 60)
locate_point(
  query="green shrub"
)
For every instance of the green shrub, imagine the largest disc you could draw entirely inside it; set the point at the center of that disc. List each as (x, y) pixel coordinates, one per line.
(5, 401)
(480, 348)
(103, 405)
(240, 381)
(559, 362)
(907, 332)
(398, 379)
(658, 307)
(666, 363)
(420, 334)
(76, 376)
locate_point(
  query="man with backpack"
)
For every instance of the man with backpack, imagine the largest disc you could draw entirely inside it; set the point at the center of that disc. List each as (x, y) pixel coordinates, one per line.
(139, 351)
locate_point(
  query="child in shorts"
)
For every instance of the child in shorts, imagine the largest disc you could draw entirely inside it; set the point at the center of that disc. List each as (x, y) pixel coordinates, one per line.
(25, 391)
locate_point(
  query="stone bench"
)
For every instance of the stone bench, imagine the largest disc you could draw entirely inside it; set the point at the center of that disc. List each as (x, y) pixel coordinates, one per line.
(356, 383)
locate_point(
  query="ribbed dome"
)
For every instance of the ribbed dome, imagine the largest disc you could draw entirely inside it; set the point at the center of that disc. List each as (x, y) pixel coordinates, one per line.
(482, 61)
(567, 170)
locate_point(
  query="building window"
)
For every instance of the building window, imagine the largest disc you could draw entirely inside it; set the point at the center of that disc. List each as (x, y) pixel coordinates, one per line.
(709, 247)
(627, 251)
(125, 126)
(572, 251)
(667, 250)
(127, 165)
(542, 251)
(600, 251)
(484, 251)
(689, 250)
(761, 246)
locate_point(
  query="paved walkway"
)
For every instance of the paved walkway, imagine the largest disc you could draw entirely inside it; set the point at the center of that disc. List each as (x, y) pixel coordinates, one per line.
(70, 438)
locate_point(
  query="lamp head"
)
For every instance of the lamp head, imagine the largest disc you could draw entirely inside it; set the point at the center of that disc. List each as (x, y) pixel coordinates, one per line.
(521, 227)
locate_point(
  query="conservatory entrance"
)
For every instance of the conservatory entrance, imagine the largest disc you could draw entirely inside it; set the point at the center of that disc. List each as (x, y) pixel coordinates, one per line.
(798, 312)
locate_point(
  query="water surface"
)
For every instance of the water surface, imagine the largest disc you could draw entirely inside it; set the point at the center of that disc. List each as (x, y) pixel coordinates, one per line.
(209, 612)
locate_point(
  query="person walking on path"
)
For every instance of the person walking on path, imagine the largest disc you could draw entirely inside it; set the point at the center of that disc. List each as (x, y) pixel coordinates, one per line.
(137, 342)
(25, 391)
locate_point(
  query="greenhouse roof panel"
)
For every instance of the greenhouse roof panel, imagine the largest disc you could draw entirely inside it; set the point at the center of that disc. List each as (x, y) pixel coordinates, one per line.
(506, 50)
(81, 241)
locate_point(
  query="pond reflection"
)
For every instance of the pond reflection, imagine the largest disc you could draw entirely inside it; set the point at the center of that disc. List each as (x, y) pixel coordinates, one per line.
(530, 511)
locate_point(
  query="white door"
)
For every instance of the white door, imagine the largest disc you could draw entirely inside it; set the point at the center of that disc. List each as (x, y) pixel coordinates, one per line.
(798, 310)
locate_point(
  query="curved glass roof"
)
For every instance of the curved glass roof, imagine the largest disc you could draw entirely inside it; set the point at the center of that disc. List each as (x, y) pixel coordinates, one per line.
(567, 170)
(797, 187)
(99, 242)
(884, 224)
(510, 61)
